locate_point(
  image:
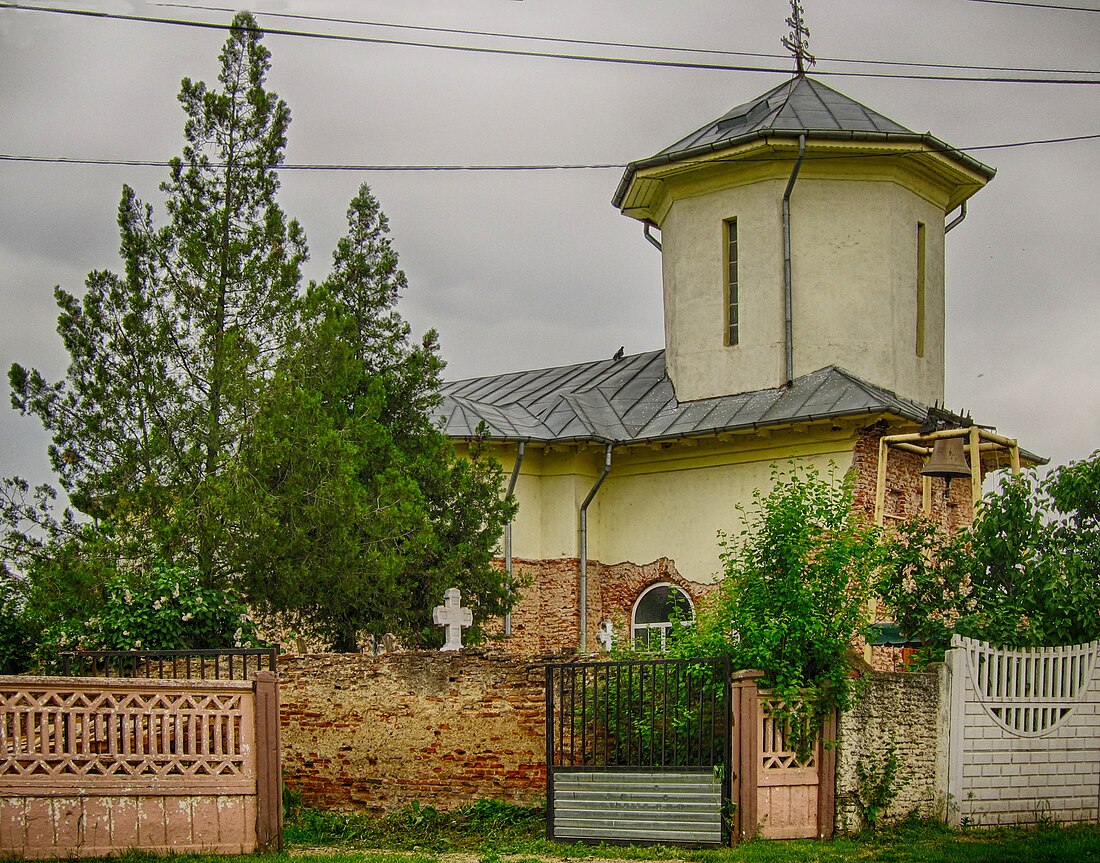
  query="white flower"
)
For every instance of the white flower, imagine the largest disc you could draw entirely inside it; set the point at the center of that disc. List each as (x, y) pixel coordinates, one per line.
(187, 616)
(157, 605)
(237, 637)
(176, 591)
(137, 644)
(127, 596)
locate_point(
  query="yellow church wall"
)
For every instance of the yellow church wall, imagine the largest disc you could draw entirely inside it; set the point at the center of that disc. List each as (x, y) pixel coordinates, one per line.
(661, 500)
(854, 262)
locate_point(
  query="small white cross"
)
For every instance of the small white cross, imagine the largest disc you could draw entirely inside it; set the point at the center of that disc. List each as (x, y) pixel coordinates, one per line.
(606, 636)
(453, 616)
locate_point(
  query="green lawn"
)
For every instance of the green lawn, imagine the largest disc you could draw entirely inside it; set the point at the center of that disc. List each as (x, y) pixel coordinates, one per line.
(497, 833)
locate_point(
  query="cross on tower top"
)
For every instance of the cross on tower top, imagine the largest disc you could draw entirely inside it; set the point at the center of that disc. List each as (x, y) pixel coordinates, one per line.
(798, 40)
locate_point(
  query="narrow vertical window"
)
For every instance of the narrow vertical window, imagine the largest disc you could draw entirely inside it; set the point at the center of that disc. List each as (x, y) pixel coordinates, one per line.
(732, 334)
(920, 289)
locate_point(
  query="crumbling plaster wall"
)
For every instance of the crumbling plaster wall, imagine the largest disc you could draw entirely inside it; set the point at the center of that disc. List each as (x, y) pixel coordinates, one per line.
(907, 711)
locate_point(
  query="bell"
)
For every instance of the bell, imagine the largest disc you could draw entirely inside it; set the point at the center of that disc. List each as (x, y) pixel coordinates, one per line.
(947, 460)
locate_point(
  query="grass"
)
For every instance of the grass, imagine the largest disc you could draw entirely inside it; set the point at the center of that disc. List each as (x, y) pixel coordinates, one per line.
(492, 832)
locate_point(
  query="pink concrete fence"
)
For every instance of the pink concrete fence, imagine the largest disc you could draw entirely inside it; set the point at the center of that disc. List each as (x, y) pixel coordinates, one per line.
(91, 767)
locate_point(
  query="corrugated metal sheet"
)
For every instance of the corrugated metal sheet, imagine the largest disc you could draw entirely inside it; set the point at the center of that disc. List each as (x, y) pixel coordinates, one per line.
(632, 399)
(683, 807)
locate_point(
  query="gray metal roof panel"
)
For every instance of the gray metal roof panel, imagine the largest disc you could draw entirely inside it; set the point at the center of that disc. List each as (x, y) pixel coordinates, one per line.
(632, 399)
(801, 104)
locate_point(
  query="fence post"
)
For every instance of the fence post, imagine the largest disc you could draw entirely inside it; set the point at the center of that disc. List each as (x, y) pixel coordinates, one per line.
(826, 777)
(747, 723)
(269, 791)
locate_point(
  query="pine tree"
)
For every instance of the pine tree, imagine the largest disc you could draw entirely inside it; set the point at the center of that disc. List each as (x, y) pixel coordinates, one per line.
(214, 418)
(350, 476)
(167, 358)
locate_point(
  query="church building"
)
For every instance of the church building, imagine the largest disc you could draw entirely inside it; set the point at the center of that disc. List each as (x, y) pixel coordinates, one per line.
(802, 244)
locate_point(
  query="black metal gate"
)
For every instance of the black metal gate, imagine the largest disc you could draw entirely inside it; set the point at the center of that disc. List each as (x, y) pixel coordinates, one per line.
(638, 751)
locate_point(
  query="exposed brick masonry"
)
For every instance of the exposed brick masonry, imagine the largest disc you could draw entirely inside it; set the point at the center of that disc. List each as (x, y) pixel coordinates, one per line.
(547, 617)
(376, 733)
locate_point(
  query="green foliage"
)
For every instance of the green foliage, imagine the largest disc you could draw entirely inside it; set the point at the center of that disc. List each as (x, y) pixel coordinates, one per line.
(166, 608)
(279, 444)
(15, 634)
(793, 596)
(510, 827)
(649, 714)
(877, 784)
(348, 475)
(1023, 575)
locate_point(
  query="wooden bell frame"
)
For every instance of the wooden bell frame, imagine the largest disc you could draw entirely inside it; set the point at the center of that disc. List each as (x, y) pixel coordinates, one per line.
(977, 441)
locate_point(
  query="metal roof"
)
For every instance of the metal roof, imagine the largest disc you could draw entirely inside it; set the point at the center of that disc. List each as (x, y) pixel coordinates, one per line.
(801, 106)
(632, 399)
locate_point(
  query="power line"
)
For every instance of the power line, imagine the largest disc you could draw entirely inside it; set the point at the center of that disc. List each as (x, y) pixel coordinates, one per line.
(592, 166)
(629, 61)
(610, 44)
(1038, 5)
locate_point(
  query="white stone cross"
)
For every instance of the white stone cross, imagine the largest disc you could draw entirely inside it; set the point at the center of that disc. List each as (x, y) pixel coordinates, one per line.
(453, 616)
(606, 636)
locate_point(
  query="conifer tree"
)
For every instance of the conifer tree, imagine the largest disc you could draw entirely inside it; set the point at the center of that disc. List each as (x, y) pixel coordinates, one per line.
(213, 417)
(351, 475)
(167, 358)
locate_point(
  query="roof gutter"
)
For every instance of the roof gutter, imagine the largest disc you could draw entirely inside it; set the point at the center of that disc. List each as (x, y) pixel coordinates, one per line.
(957, 219)
(508, 536)
(933, 144)
(582, 642)
(788, 311)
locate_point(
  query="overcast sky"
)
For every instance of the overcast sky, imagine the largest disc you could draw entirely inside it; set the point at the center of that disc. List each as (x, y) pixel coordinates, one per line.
(530, 269)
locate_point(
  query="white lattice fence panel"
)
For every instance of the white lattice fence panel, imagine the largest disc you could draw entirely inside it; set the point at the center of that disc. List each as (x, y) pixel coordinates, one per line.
(1025, 733)
(123, 731)
(1029, 692)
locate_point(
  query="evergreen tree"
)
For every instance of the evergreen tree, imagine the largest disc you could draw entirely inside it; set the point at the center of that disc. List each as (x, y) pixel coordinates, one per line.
(215, 419)
(167, 358)
(349, 475)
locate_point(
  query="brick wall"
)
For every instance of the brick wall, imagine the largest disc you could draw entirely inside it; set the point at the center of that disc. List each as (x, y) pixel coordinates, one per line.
(376, 733)
(904, 486)
(547, 617)
(909, 711)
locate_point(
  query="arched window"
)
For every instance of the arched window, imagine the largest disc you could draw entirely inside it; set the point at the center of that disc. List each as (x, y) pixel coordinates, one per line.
(651, 619)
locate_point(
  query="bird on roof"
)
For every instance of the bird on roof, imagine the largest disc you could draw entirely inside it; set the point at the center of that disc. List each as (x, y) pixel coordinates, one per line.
(619, 353)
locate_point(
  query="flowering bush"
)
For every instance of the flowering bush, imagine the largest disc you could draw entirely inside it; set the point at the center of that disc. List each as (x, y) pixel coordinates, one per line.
(1024, 574)
(166, 608)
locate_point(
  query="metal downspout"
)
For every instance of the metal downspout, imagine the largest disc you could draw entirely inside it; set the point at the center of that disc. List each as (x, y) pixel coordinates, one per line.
(957, 219)
(582, 645)
(508, 535)
(647, 225)
(788, 314)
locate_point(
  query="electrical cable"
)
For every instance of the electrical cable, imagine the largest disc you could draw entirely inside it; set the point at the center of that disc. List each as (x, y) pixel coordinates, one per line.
(610, 44)
(593, 166)
(629, 61)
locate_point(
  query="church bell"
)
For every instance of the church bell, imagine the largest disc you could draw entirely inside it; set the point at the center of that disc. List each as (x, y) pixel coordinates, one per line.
(948, 460)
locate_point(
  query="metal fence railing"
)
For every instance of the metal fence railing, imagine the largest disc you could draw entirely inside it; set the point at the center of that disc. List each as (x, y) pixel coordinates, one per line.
(230, 664)
(649, 713)
(638, 751)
